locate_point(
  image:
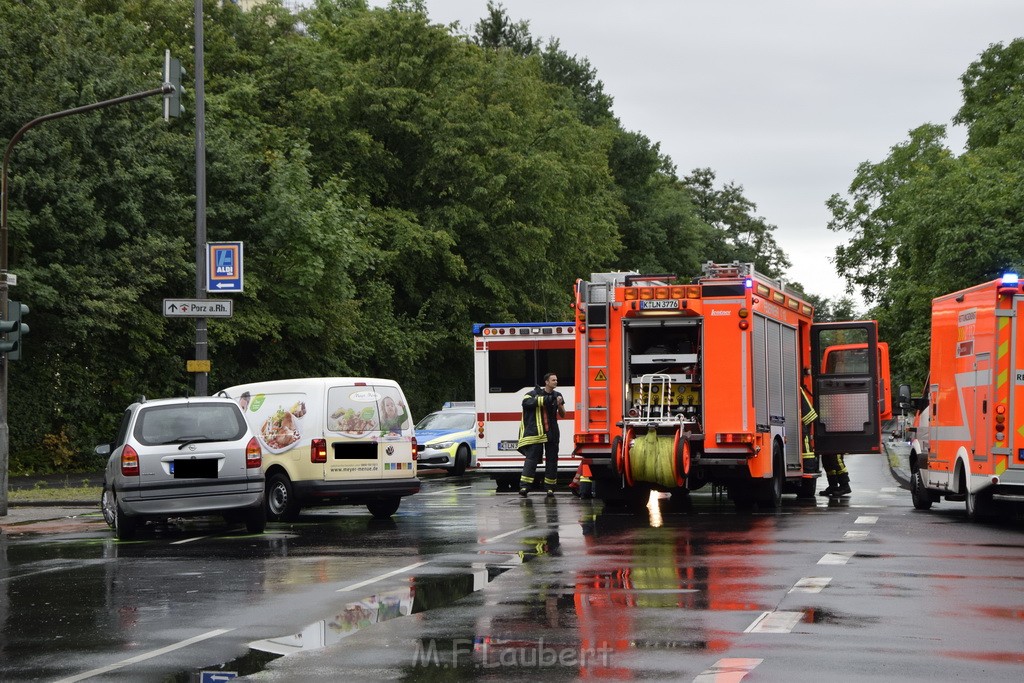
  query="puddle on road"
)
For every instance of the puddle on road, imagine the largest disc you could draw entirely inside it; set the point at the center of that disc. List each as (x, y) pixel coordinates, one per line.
(425, 592)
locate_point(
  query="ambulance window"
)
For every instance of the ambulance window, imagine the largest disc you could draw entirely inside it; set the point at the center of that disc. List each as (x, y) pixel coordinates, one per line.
(559, 361)
(510, 370)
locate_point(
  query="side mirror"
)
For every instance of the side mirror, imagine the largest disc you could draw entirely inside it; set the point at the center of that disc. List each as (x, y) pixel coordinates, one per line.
(904, 393)
(103, 449)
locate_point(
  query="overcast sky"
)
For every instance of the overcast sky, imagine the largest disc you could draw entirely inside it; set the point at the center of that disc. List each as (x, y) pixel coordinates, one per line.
(783, 97)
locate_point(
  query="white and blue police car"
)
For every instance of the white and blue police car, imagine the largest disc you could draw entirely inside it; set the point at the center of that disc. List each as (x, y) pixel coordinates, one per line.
(447, 438)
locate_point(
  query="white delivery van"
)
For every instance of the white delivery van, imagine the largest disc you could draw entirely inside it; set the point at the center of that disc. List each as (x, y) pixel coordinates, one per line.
(331, 441)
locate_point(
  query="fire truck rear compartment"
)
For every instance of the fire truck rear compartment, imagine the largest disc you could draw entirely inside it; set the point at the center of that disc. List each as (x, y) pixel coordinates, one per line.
(663, 369)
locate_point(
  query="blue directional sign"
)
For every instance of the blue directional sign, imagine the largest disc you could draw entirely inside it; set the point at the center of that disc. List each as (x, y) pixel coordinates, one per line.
(216, 676)
(223, 266)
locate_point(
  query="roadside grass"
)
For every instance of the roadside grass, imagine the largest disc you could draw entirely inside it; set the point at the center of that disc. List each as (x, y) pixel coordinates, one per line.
(47, 492)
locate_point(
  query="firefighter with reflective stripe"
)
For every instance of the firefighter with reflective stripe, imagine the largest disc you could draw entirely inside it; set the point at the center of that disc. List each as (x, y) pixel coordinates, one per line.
(808, 457)
(838, 476)
(538, 434)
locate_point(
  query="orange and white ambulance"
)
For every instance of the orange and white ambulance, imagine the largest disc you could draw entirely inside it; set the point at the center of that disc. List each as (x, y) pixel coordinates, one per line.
(968, 436)
(684, 383)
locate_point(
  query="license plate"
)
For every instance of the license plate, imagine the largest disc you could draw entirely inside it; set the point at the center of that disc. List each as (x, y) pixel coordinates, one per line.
(507, 445)
(200, 468)
(667, 304)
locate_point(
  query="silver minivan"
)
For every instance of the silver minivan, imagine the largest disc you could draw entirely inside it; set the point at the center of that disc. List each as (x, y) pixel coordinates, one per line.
(182, 457)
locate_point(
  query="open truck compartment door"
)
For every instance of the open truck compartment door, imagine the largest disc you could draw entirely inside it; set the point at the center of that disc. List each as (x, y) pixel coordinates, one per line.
(845, 371)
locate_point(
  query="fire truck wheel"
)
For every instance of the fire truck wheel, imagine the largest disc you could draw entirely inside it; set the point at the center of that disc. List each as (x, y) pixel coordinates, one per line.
(806, 488)
(617, 455)
(771, 489)
(918, 494)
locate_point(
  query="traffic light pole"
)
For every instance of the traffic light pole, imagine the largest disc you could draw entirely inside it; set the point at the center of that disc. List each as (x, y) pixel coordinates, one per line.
(202, 351)
(4, 429)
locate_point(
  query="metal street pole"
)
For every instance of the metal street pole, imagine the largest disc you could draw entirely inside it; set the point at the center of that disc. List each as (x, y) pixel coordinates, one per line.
(4, 428)
(202, 378)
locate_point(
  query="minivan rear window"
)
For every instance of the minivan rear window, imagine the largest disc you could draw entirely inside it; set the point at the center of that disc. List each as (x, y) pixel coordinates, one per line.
(197, 421)
(362, 410)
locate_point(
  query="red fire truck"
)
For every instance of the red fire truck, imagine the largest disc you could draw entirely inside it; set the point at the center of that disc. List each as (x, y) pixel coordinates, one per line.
(680, 384)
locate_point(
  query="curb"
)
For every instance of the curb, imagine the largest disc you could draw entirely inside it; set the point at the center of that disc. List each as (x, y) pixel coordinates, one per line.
(53, 504)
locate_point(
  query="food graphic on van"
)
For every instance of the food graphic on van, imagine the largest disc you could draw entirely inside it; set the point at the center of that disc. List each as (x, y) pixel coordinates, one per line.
(393, 415)
(280, 431)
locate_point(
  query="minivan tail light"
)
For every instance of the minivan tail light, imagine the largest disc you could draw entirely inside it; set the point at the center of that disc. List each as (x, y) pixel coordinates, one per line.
(415, 448)
(253, 454)
(129, 462)
(318, 450)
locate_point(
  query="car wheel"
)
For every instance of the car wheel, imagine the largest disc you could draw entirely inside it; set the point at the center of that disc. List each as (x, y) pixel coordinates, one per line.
(918, 494)
(280, 499)
(124, 525)
(383, 509)
(461, 460)
(256, 520)
(107, 506)
(977, 503)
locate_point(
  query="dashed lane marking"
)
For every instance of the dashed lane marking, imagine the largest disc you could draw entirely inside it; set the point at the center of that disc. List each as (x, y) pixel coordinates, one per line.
(446, 491)
(147, 655)
(187, 540)
(811, 584)
(867, 519)
(775, 622)
(727, 670)
(856, 535)
(492, 539)
(835, 558)
(381, 577)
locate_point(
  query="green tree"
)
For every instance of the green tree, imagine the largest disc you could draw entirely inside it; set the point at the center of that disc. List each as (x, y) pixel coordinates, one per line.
(738, 234)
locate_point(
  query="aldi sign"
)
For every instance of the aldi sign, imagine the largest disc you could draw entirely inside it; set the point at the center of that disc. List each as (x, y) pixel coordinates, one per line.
(224, 266)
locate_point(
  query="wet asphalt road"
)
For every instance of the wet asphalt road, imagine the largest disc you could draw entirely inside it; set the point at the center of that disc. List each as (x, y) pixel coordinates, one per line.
(467, 584)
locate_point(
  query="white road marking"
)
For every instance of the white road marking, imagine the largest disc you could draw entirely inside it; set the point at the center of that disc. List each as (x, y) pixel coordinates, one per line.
(441, 493)
(867, 519)
(811, 584)
(492, 539)
(856, 534)
(727, 670)
(775, 622)
(147, 655)
(187, 540)
(41, 571)
(835, 558)
(381, 577)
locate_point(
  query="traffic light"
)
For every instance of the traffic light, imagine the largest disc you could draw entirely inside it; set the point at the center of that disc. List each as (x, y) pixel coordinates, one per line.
(12, 329)
(173, 74)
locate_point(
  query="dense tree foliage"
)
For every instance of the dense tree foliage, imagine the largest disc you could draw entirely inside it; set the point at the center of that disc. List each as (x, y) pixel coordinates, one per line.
(393, 182)
(925, 222)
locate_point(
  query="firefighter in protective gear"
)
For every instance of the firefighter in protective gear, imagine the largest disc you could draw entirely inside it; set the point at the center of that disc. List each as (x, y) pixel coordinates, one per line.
(807, 455)
(538, 434)
(838, 476)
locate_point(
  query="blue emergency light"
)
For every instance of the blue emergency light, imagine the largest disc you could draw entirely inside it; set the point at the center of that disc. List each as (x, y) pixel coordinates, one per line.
(1010, 280)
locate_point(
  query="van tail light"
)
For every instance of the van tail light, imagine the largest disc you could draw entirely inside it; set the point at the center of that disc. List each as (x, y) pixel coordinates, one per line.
(318, 450)
(253, 454)
(415, 448)
(129, 462)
